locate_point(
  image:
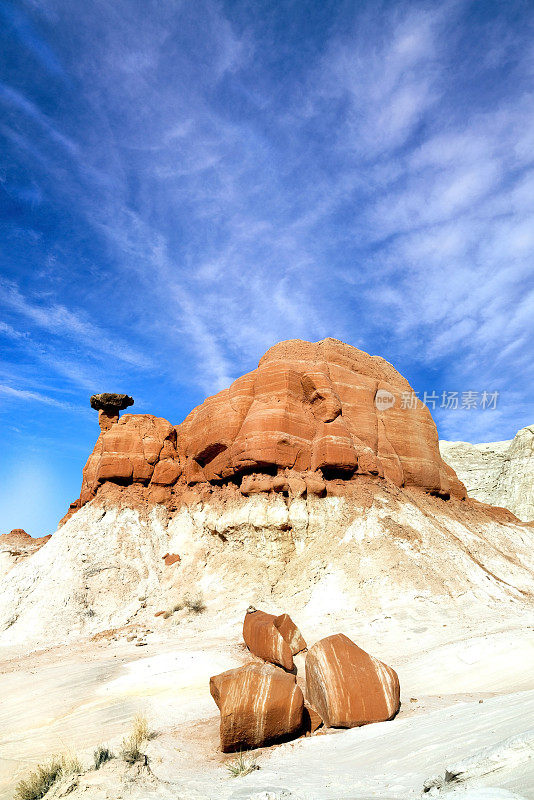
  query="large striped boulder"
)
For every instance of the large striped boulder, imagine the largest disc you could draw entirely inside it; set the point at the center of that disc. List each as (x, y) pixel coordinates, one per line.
(260, 704)
(347, 686)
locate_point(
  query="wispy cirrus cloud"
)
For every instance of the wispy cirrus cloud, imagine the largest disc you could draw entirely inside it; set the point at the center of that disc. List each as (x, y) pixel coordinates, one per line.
(211, 182)
(37, 397)
(66, 323)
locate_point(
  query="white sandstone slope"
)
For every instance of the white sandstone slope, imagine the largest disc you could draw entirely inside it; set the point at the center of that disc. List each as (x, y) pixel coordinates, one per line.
(498, 473)
(105, 567)
(441, 590)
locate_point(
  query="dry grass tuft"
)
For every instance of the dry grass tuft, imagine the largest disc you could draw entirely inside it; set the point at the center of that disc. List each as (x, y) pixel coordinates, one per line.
(44, 776)
(131, 752)
(242, 766)
(194, 604)
(101, 755)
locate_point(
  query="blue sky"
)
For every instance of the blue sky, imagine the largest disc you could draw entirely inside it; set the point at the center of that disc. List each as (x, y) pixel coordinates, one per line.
(184, 184)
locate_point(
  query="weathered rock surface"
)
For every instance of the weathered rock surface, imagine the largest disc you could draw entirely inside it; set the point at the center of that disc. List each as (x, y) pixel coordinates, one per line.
(310, 408)
(18, 539)
(259, 704)
(312, 720)
(316, 555)
(348, 687)
(335, 544)
(139, 448)
(498, 473)
(275, 639)
(307, 421)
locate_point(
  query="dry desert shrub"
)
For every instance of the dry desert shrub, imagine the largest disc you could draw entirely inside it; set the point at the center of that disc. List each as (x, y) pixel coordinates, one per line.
(195, 604)
(44, 776)
(242, 765)
(131, 744)
(101, 755)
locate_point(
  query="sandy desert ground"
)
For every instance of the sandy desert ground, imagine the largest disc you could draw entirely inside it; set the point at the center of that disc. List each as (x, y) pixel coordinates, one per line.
(467, 707)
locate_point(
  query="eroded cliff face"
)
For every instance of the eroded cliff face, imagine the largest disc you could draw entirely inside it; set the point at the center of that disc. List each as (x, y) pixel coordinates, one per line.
(498, 473)
(308, 421)
(372, 552)
(294, 487)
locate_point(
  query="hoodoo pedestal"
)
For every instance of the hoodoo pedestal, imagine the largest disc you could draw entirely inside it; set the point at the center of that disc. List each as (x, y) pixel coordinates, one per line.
(108, 406)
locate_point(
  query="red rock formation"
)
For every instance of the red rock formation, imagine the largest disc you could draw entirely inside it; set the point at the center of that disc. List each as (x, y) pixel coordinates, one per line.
(171, 558)
(312, 720)
(275, 639)
(259, 704)
(347, 686)
(311, 408)
(20, 539)
(17, 535)
(310, 418)
(129, 452)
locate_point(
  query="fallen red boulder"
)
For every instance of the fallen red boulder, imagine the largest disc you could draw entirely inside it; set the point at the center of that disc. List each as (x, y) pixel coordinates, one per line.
(260, 704)
(347, 686)
(275, 639)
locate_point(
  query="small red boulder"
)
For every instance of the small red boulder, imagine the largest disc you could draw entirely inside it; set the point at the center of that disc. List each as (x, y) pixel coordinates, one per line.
(275, 639)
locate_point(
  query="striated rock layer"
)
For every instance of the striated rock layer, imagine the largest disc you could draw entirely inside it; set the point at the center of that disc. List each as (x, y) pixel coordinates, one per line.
(311, 418)
(366, 552)
(498, 473)
(283, 490)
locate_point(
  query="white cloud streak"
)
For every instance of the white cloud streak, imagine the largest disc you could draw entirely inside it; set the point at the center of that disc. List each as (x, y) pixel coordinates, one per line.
(378, 195)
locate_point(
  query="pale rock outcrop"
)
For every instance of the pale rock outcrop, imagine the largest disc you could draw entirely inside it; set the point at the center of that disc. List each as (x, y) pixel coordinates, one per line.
(17, 546)
(275, 639)
(498, 473)
(348, 687)
(364, 551)
(259, 704)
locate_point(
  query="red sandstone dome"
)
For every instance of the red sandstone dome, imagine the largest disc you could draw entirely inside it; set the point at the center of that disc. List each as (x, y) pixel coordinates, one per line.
(309, 416)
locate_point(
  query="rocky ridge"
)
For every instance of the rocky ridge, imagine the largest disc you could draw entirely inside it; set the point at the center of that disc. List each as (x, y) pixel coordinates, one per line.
(293, 484)
(437, 584)
(497, 473)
